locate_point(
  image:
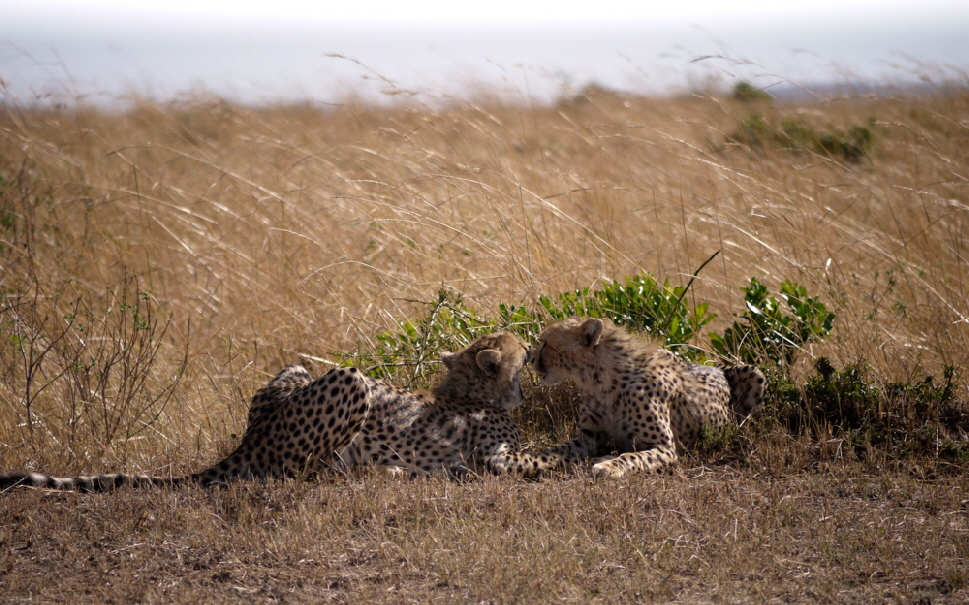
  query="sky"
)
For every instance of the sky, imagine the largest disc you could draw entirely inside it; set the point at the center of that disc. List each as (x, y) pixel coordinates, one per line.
(233, 13)
(263, 51)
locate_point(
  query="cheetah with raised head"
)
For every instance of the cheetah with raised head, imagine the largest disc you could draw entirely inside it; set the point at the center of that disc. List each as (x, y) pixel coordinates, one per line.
(461, 427)
(343, 419)
(638, 396)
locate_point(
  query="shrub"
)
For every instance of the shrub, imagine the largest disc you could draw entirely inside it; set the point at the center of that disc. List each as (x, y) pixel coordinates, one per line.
(745, 91)
(412, 350)
(917, 418)
(640, 303)
(96, 360)
(753, 131)
(766, 334)
(852, 145)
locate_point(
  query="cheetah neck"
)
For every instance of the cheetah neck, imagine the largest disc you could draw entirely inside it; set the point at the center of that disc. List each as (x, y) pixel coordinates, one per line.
(452, 389)
(612, 358)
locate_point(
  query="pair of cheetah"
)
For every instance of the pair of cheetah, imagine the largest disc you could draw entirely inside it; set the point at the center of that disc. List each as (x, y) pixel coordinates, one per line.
(637, 396)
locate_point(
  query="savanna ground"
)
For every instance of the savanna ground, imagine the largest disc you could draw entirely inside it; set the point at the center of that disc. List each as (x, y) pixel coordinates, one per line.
(160, 264)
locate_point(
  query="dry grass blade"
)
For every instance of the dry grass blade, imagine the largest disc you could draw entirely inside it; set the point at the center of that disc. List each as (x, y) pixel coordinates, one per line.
(159, 265)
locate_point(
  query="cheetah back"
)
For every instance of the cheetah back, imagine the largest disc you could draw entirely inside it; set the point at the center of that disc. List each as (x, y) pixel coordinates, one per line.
(294, 423)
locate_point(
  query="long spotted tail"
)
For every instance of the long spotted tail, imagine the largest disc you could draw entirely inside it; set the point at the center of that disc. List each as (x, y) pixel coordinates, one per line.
(97, 483)
(746, 388)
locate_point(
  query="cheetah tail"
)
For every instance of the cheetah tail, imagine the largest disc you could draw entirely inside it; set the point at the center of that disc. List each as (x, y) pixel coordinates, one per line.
(97, 483)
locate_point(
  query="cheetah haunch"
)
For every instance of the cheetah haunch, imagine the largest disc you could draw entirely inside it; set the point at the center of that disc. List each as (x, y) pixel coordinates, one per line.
(298, 425)
(637, 395)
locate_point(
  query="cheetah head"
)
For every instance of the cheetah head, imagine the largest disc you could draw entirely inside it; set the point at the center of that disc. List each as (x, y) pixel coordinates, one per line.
(489, 369)
(566, 348)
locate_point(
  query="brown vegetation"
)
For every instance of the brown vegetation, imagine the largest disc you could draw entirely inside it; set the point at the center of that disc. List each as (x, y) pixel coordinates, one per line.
(159, 265)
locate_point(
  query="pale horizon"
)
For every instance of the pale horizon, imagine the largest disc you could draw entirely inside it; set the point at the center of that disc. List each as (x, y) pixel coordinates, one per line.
(228, 14)
(259, 52)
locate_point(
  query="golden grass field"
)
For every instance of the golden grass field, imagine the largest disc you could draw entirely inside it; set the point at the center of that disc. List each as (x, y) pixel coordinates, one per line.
(161, 264)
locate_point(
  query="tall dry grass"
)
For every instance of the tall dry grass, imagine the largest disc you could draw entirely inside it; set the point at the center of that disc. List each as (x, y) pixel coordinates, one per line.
(261, 237)
(159, 265)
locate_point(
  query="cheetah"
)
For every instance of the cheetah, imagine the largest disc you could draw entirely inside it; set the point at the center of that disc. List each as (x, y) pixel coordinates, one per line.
(462, 427)
(293, 422)
(637, 395)
(298, 426)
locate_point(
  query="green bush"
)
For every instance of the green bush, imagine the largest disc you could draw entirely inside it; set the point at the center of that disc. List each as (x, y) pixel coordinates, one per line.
(766, 333)
(753, 131)
(639, 303)
(413, 349)
(745, 91)
(852, 145)
(922, 417)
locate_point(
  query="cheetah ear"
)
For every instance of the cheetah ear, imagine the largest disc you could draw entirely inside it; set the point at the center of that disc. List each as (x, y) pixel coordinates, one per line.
(449, 360)
(489, 361)
(591, 331)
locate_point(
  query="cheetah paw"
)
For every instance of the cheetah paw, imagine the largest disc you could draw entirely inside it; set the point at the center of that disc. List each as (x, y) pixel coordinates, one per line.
(390, 471)
(604, 470)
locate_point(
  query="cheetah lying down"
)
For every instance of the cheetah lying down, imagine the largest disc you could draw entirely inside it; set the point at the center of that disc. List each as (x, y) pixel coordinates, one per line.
(342, 419)
(638, 396)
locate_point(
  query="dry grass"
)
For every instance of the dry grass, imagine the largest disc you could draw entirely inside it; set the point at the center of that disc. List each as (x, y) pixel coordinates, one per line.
(270, 236)
(701, 537)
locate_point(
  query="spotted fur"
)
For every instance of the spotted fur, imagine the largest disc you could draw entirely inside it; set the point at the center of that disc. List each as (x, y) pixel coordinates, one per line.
(637, 396)
(459, 428)
(344, 419)
(294, 423)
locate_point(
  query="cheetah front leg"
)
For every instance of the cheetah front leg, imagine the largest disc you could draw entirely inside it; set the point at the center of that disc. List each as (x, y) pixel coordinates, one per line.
(653, 444)
(656, 459)
(582, 446)
(506, 459)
